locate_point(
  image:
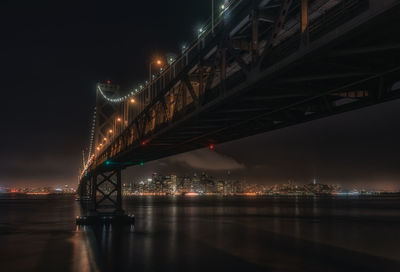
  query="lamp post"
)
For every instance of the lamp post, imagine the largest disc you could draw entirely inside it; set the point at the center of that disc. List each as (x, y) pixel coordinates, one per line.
(159, 63)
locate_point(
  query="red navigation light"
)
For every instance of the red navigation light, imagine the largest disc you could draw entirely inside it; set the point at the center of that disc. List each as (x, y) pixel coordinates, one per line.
(211, 146)
(108, 81)
(145, 142)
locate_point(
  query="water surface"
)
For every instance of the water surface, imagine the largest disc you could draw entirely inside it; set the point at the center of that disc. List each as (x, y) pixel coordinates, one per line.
(205, 234)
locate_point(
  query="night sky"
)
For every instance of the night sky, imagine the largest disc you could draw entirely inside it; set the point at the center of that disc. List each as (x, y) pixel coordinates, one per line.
(53, 53)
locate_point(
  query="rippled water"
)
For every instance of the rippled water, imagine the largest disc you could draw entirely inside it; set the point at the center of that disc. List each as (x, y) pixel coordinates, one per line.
(205, 234)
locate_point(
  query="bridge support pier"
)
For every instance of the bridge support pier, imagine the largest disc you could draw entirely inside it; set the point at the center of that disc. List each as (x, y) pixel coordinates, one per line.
(106, 192)
(106, 200)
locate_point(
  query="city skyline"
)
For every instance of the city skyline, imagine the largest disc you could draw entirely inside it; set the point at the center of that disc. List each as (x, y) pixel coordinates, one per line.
(193, 177)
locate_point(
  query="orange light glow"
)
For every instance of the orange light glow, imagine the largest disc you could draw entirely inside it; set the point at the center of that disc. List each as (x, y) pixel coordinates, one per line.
(110, 131)
(159, 62)
(152, 194)
(250, 194)
(191, 194)
(105, 139)
(132, 100)
(119, 119)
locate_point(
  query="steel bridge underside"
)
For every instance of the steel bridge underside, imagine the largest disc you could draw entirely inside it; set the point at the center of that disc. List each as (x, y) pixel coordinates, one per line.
(353, 65)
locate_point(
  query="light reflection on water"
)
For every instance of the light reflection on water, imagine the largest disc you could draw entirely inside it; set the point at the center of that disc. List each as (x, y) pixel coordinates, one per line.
(178, 234)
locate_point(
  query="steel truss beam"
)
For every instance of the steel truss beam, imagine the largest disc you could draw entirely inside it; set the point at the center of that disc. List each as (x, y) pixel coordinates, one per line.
(106, 192)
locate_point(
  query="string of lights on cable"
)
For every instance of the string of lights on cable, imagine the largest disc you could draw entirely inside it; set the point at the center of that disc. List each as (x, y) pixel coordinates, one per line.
(92, 134)
(201, 32)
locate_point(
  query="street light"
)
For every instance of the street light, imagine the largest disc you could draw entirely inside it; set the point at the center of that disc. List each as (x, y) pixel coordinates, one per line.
(184, 47)
(132, 100)
(157, 62)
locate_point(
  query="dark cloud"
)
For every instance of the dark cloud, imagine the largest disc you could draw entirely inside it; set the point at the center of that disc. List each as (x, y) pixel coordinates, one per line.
(205, 159)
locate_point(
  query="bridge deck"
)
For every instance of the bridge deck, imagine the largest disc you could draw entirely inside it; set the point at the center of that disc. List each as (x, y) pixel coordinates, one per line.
(226, 89)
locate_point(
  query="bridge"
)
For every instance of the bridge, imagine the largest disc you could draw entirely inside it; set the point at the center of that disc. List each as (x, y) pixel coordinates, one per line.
(257, 66)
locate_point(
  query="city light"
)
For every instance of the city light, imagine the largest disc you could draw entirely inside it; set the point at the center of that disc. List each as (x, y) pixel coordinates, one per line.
(110, 131)
(119, 119)
(171, 184)
(191, 194)
(132, 100)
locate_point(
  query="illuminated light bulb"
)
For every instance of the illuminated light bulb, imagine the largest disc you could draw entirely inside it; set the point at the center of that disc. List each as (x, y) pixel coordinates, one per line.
(105, 139)
(159, 62)
(119, 119)
(132, 100)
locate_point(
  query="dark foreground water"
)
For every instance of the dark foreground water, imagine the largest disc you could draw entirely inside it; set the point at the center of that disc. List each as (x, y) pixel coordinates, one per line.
(205, 234)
